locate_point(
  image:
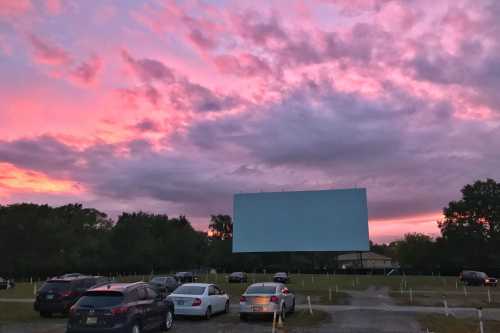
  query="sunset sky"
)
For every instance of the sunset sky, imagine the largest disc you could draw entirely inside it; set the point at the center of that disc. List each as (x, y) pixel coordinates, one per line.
(174, 106)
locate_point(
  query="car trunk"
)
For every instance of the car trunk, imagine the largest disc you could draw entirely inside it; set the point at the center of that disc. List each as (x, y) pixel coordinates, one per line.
(99, 309)
(258, 299)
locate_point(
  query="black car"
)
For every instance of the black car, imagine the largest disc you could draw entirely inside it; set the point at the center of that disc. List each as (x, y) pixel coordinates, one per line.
(474, 278)
(237, 277)
(281, 277)
(121, 307)
(185, 277)
(58, 294)
(164, 284)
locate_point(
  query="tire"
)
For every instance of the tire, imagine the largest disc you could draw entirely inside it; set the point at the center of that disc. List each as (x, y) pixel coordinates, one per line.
(226, 308)
(292, 310)
(169, 320)
(208, 313)
(283, 313)
(243, 316)
(45, 314)
(135, 328)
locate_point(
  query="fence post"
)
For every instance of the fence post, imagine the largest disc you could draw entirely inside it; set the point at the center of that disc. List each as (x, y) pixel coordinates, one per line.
(489, 296)
(480, 316)
(336, 288)
(465, 291)
(445, 303)
(274, 321)
(34, 289)
(411, 296)
(310, 306)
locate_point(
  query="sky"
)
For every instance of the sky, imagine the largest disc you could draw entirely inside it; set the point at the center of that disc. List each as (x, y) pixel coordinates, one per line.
(174, 106)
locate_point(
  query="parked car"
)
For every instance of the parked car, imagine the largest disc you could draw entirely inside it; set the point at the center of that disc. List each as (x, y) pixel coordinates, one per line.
(185, 277)
(57, 295)
(120, 307)
(475, 278)
(199, 299)
(266, 298)
(281, 277)
(164, 284)
(4, 283)
(237, 277)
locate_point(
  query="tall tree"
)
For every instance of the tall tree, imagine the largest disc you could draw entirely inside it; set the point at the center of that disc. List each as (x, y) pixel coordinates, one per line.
(221, 227)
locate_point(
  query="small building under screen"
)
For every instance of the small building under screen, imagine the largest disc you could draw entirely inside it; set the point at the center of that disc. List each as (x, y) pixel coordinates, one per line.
(327, 220)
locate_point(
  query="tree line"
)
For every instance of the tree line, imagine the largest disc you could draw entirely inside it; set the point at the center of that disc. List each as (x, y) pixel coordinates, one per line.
(39, 241)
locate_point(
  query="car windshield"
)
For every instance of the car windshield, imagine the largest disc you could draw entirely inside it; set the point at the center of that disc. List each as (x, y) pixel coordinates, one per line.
(280, 274)
(190, 290)
(99, 299)
(56, 286)
(261, 290)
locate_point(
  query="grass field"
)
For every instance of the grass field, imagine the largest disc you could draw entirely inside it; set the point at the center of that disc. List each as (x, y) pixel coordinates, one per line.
(443, 324)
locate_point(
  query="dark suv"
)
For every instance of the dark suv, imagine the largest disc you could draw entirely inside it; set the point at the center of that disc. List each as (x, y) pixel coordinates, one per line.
(474, 278)
(57, 295)
(164, 284)
(185, 277)
(121, 307)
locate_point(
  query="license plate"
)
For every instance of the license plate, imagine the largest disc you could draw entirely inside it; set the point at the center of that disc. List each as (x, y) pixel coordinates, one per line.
(91, 320)
(257, 308)
(180, 302)
(49, 296)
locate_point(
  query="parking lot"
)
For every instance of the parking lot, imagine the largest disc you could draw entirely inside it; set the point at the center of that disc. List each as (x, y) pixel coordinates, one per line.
(341, 303)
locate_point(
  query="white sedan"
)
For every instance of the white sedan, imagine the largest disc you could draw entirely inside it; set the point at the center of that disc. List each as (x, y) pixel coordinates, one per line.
(199, 299)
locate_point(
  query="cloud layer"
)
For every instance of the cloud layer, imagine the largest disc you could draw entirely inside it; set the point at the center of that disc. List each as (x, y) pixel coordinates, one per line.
(396, 96)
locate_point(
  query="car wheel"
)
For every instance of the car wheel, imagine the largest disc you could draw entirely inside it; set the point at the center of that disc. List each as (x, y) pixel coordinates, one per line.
(243, 316)
(136, 328)
(283, 313)
(226, 308)
(208, 313)
(169, 320)
(45, 314)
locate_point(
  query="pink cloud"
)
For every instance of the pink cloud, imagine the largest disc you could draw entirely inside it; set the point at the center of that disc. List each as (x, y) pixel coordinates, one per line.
(14, 8)
(53, 7)
(244, 64)
(86, 72)
(46, 52)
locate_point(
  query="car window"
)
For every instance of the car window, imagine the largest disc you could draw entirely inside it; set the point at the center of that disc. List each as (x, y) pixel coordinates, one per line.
(142, 293)
(190, 290)
(218, 291)
(211, 290)
(261, 290)
(151, 293)
(97, 299)
(56, 286)
(133, 296)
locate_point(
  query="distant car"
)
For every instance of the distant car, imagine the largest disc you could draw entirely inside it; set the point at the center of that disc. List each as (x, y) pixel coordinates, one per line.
(57, 295)
(4, 283)
(475, 278)
(237, 277)
(185, 277)
(281, 277)
(199, 299)
(120, 307)
(266, 298)
(164, 284)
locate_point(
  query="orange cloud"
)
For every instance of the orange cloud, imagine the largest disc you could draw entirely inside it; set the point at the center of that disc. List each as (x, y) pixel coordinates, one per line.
(13, 178)
(383, 229)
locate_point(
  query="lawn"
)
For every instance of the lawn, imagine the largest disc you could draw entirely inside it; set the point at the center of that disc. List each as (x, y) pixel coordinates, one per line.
(20, 313)
(22, 290)
(443, 324)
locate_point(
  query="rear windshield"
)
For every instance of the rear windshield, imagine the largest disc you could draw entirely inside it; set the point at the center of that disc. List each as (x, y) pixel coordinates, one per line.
(100, 299)
(56, 286)
(280, 274)
(158, 279)
(237, 274)
(190, 290)
(261, 290)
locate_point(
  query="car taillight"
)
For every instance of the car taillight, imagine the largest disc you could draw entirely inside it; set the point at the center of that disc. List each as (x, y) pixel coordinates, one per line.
(119, 310)
(243, 299)
(196, 302)
(274, 299)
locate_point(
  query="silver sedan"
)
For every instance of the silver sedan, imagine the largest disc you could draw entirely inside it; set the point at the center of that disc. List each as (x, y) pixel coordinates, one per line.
(266, 298)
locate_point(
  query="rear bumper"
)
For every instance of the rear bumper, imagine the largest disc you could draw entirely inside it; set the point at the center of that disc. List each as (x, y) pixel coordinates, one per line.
(189, 311)
(116, 329)
(256, 309)
(58, 307)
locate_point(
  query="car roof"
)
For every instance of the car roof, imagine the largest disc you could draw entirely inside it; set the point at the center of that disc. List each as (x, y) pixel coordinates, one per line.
(266, 284)
(281, 273)
(117, 286)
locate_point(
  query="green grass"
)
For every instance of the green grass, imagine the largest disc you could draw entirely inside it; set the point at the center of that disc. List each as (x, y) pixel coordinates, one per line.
(19, 313)
(22, 290)
(301, 318)
(443, 324)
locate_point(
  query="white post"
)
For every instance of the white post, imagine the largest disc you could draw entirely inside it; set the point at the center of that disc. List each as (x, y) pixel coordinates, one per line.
(465, 291)
(31, 280)
(445, 303)
(330, 294)
(480, 315)
(456, 284)
(336, 289)
(34, 289)
(309, 303)
(411, 296)
(489, 296)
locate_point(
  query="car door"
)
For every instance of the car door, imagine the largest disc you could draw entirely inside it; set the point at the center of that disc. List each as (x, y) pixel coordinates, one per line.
(146, 307)
(157, 307)
(221, 298)
(213, 299)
